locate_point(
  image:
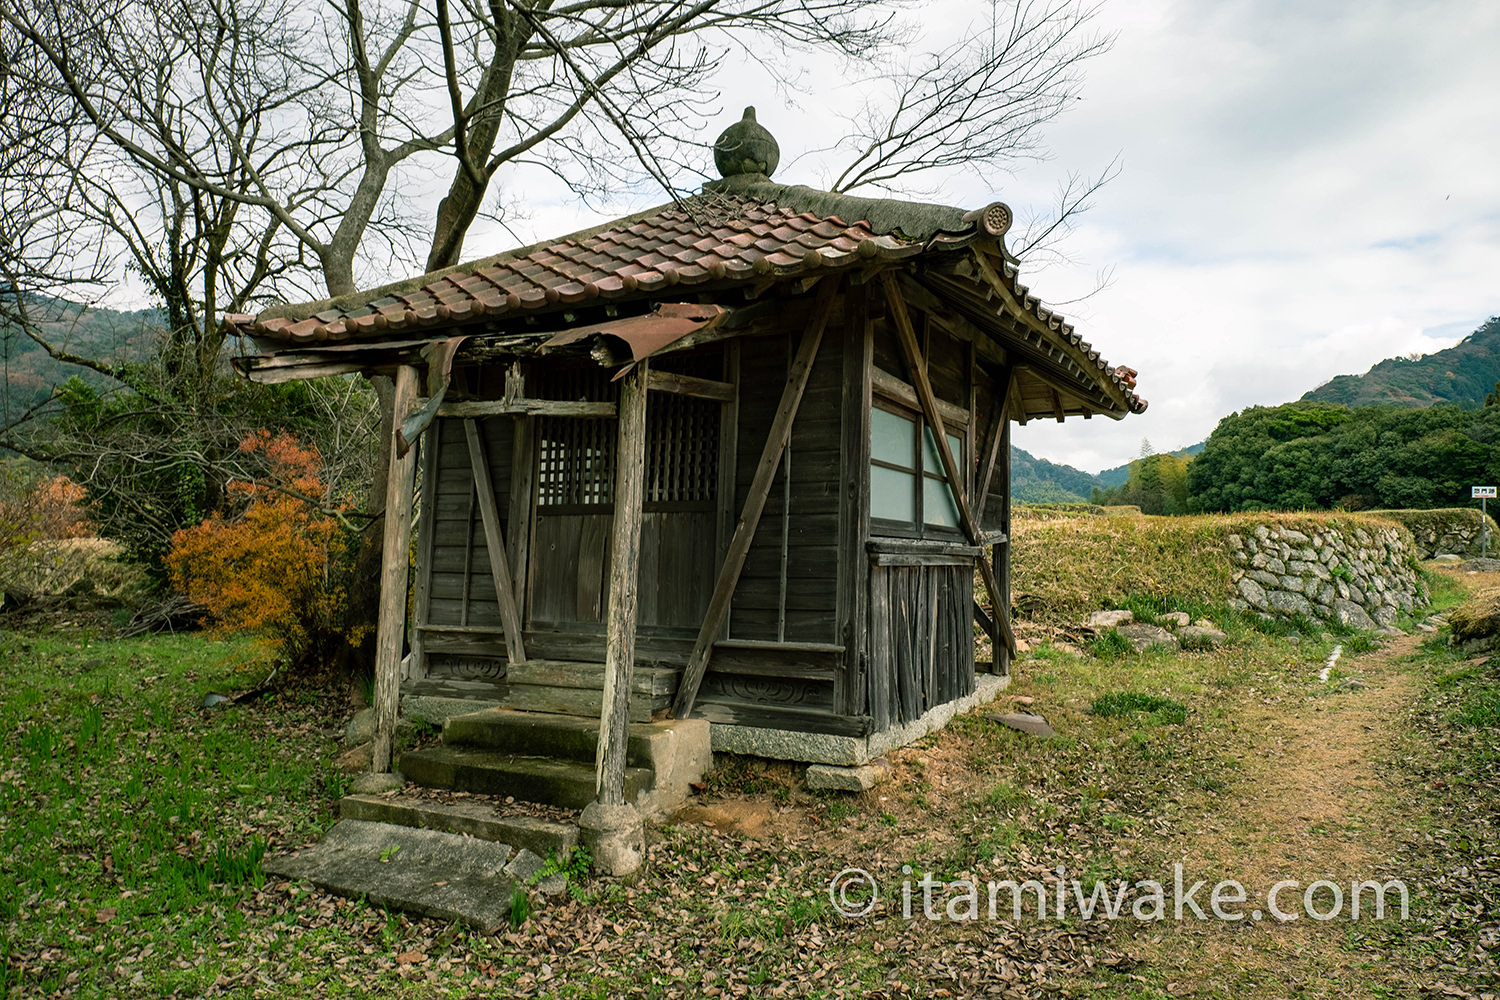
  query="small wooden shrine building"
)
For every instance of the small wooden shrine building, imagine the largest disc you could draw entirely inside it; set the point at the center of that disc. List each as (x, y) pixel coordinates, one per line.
(738, 456)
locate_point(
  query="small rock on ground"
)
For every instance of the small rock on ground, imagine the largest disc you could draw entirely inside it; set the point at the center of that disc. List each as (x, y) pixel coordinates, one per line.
(1033, 725)
(827, 777)
(1110, 619)
(1143, 637)
(1389, 630)
(1201, 635)
(355, 759)
(1176, 619)
(524, 865)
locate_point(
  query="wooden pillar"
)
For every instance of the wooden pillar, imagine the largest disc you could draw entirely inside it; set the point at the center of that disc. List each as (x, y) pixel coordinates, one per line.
(625, 551)
(850, 687)
(396, 540)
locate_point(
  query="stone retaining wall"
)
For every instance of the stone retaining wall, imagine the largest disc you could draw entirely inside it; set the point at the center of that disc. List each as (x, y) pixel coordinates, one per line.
(1358, 576)
(1452, 531)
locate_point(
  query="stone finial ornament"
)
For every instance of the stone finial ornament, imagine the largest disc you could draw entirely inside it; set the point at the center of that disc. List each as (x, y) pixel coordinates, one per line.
(746, 148)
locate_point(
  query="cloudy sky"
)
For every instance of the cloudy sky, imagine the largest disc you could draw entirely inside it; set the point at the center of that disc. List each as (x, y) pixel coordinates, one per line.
(1307, 187)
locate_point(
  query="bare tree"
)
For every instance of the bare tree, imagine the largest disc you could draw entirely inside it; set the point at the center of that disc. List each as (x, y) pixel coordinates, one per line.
(230, 153)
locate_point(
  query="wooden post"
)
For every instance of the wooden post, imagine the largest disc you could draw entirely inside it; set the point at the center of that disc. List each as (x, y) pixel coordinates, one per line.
(396, 539)
(1001, 559)
(522, 494)
(850, 687)
(625, 551)
(500, 569)
(914, 361)
(755, 502)
(426, 528)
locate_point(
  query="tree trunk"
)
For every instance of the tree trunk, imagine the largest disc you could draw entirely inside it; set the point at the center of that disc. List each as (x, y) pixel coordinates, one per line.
(363, 609)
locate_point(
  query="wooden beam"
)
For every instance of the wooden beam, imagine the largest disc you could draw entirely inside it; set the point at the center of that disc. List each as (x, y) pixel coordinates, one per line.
(1000, 558)
(687, 385)
(390, 627)
(729, 430)
(624, 566)
(889, 385)
(755, 502)
(1057, 406)
(907, 335)
(500, 569)
(537, 407)
(986, 622)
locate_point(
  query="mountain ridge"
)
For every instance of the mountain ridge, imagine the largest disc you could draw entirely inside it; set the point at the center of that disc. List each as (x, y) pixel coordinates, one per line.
(1460, 375)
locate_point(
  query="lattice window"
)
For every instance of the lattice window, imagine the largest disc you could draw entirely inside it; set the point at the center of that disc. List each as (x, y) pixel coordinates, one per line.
(682, 450)
(576, 456)
(575, 462)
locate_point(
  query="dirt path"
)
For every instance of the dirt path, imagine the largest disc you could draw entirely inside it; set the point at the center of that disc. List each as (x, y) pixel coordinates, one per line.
(1310, 803)
(1316, 800)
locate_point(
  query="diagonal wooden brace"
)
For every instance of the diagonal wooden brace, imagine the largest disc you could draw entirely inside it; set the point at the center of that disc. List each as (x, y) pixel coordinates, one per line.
(755, 502)
(500, 572)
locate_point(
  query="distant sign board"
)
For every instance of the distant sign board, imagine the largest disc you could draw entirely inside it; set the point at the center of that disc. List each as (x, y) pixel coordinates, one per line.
(1477, 492)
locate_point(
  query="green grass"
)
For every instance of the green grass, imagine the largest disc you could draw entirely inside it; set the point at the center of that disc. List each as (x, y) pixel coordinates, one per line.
(131, 816)
(1117, 704)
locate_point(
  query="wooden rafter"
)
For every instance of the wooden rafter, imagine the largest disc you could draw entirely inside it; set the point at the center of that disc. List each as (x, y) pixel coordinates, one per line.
(755, 502)
(1073, 358)
(500, 571)
(914, 361)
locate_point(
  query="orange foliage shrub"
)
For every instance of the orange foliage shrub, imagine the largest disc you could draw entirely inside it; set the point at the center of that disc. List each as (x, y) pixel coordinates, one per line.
(271, 561)
(61, 507)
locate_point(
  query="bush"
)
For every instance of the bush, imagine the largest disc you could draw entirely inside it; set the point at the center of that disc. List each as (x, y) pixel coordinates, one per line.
(275, 560)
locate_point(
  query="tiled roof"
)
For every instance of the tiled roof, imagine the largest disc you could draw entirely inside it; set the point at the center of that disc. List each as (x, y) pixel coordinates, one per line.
(736, 233)
(709, 239)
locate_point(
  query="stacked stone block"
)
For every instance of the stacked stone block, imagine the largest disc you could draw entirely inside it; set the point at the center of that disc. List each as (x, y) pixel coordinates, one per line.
(1362, 577)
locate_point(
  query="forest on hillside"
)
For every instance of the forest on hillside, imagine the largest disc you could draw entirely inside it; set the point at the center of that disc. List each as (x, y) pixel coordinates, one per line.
(1312, 455)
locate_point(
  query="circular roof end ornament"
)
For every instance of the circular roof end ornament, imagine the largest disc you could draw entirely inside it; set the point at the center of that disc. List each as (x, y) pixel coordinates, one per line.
(746, 148)
(994, 218)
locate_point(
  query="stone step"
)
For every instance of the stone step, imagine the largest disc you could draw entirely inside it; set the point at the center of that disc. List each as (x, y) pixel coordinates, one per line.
(568, 688)
(472, 819)
(565, 783)
(545, 734)
(424, 872)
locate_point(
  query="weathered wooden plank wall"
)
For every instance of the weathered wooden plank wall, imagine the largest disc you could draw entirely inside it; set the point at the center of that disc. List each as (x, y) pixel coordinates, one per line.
(461, 590)
(795, 599)
(921, 640)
